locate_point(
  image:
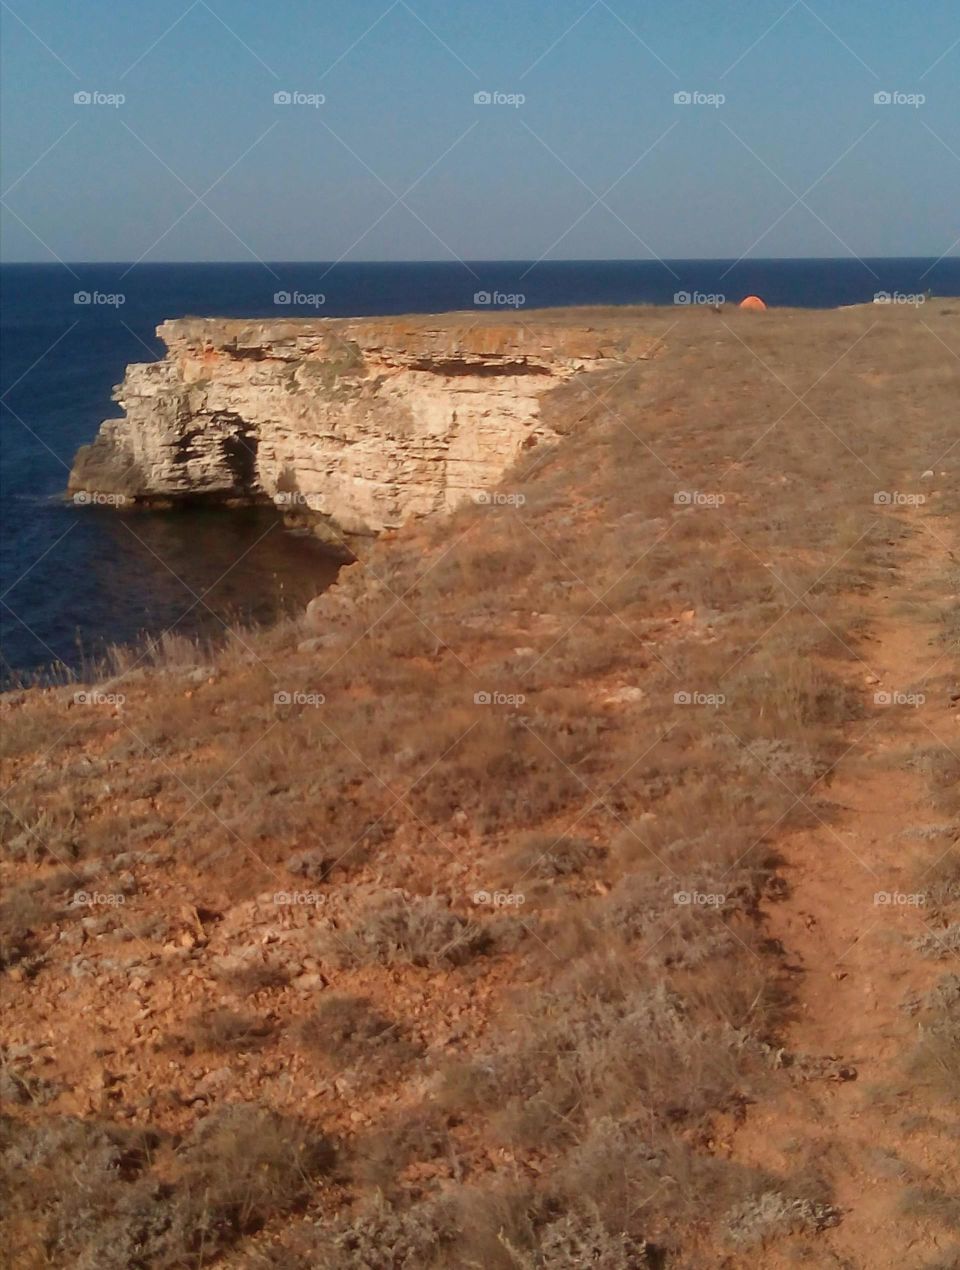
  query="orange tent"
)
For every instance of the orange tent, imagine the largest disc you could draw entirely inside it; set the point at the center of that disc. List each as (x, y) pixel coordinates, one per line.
(753, 302)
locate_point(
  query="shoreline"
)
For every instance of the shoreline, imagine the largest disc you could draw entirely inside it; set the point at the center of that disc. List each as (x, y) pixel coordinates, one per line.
(294, 506)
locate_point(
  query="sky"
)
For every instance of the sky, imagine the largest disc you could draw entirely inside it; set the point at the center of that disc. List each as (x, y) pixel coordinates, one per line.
(377, 148)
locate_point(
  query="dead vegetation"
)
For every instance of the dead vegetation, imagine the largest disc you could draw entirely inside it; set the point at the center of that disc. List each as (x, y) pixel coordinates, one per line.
(520, 979)
(97, 1195)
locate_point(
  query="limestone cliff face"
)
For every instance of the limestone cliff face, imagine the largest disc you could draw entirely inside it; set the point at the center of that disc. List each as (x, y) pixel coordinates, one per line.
(365, 422)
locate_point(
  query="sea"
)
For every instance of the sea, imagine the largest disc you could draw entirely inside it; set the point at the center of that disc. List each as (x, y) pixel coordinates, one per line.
(75, 580)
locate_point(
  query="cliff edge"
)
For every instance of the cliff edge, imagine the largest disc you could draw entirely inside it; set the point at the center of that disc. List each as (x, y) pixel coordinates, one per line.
(363, 423)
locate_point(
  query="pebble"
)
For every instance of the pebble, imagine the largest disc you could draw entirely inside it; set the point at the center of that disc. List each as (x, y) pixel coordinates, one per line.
(625, 696)
(214, 1081)
(307, 982)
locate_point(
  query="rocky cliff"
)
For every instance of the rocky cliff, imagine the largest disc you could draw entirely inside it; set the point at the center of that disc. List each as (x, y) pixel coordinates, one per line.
(360, 422)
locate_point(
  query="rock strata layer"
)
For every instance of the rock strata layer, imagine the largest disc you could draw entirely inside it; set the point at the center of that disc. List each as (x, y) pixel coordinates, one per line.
(364, 423)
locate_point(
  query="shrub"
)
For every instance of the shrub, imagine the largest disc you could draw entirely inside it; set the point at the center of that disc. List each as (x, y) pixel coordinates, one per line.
(346, 1031)
(772, 1215)
(242, 1164)
(407, 930)
(225, 1029)
(936, 1057)
(581, 1239)
(546, 856)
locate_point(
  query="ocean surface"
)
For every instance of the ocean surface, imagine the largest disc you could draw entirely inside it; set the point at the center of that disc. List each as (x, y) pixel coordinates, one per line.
(74, 579)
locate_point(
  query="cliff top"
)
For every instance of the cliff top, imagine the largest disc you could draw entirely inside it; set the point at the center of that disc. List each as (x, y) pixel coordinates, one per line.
(579, 333)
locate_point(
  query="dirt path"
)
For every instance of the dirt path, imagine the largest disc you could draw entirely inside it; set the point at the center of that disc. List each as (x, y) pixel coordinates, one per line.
(860, 1123)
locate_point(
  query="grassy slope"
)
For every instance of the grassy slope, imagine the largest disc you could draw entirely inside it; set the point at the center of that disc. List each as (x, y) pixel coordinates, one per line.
(671, 618)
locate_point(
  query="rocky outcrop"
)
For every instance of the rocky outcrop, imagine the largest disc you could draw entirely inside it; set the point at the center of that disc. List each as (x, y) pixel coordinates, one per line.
(364, 423)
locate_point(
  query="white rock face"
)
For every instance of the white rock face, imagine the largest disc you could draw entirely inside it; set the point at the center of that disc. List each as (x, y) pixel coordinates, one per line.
(367, 422)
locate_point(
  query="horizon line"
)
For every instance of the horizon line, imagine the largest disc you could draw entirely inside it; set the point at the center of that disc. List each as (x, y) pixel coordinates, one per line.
(487, 260)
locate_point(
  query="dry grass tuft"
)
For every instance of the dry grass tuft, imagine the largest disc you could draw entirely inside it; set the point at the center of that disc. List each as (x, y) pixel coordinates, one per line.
(405, 930)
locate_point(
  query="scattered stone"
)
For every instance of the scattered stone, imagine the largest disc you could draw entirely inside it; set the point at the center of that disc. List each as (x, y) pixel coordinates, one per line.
(309, 982)
(460, 821)
(312, 864)
(126, 883)
(626, 696)
(215, 1081)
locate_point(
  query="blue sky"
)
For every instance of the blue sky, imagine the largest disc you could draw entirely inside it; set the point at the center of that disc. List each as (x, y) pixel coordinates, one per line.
(598, 161)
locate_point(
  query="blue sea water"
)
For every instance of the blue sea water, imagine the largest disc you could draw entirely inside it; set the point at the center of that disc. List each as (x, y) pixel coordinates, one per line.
(73, 579)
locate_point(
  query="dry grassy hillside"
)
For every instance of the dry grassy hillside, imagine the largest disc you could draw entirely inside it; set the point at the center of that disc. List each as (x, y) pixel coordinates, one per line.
(461, 929)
